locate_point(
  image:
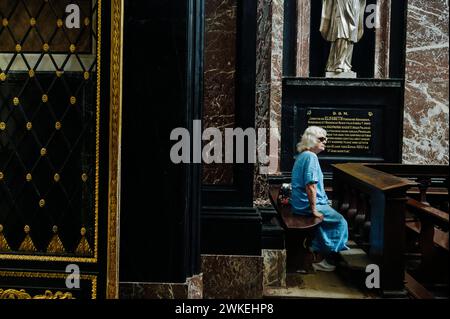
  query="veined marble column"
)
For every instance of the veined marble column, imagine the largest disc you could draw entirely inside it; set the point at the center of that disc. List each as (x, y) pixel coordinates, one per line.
(303, 37)
(219, 79)
(426, 119)
(269, 71)
(382, 39)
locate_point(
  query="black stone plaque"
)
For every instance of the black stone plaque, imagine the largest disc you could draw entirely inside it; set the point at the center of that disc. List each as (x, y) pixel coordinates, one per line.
(363, 119)
(350, 131)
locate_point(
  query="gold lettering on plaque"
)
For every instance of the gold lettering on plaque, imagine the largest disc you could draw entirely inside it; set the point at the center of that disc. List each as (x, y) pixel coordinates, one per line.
(346, 134)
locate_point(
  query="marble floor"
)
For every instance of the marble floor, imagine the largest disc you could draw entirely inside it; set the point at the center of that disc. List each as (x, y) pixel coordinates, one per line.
(317, 285)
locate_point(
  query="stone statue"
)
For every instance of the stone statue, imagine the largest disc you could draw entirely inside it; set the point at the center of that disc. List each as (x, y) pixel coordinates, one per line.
(342, 24)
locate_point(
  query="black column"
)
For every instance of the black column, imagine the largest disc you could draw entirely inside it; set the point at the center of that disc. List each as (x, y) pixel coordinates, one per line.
(159, 199)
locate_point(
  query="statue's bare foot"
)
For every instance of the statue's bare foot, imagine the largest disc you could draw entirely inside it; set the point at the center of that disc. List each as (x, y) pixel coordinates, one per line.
(339, 70)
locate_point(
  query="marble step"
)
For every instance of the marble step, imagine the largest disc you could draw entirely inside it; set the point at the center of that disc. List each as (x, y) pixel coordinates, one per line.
(355, 258)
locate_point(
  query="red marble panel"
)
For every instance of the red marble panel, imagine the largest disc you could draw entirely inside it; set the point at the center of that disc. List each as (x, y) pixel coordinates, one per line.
(219, 78)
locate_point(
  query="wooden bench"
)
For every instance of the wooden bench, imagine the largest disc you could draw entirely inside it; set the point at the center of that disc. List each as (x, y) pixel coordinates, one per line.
(428, 220)
(431, 225)
(415, 289)
(299, 232)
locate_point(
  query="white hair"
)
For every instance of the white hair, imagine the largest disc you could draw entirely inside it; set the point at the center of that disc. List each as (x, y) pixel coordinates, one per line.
(309, 138)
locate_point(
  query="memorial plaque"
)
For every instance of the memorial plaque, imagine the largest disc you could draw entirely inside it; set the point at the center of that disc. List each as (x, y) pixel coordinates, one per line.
(363, 119)
(350, 131)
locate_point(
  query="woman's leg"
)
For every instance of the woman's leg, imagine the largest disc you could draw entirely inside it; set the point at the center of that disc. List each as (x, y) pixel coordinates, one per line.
(332, 234)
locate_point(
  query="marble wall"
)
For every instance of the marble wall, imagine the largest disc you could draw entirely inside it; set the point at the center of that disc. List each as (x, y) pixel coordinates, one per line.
(382, 40)
(191, 289)
(232, 277)
(274, 267)
(303, 37)
(269, 68)
(219, 78)
(426, 118)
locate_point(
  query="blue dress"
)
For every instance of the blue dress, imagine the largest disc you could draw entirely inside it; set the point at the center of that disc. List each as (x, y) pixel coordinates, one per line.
(332, 233)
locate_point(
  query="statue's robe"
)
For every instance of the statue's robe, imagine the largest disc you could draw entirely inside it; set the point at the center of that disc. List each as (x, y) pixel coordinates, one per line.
(342, 19)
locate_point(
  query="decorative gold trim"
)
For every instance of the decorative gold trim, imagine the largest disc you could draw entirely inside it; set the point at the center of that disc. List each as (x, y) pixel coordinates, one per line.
(55, 246)
(22, 274)
(27, 244)
(26, 257)
(112, 271)
(3, 243)
(22, 294)
(83, 247)
(97, 125)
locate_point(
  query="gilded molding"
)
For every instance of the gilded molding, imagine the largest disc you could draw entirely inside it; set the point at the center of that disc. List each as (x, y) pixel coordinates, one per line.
(22, 294)
(112, 276)
(3, 243)
(21, 274)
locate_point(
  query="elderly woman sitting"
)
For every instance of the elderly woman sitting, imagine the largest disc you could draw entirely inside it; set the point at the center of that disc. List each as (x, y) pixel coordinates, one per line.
(309, 198)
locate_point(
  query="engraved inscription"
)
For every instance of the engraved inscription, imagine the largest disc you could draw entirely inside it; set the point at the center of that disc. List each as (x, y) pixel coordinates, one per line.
(348, 131)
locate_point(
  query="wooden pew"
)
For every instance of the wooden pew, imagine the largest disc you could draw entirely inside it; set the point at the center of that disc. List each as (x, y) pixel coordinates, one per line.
(299, 232)
(374, 203)
(415, 289)
(432, 181)
(431, 227)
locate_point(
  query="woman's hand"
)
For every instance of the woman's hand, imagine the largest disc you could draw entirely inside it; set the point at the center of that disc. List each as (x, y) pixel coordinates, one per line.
(318, 214)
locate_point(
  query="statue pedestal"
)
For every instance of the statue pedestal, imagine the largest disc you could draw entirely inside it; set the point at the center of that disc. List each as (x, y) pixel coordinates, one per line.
(342, 75)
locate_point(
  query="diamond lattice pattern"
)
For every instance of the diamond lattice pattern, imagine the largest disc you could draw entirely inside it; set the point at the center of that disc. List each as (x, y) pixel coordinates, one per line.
(47, 127)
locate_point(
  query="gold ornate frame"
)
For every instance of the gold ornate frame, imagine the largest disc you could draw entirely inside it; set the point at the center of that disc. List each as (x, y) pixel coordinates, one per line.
(22, 274)
(112, 272)
(94, 259)
(115, 127)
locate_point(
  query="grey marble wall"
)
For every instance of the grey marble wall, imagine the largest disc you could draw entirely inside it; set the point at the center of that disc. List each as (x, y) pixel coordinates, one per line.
(427, 74)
